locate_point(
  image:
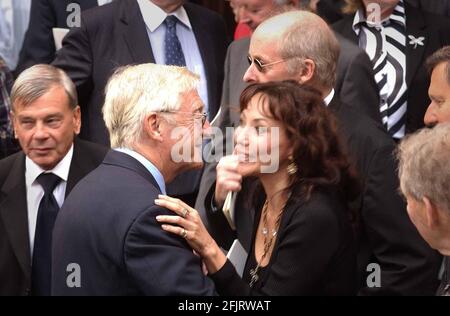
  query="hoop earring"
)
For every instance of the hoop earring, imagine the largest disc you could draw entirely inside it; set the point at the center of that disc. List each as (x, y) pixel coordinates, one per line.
(292, 167)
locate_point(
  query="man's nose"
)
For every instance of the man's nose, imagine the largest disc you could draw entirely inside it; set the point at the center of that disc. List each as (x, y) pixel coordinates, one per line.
(251, 74)
(40, 131)
(430, 118)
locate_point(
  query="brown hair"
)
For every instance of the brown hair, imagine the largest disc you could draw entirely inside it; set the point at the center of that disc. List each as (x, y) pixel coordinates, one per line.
(440, 56)
(312, 130)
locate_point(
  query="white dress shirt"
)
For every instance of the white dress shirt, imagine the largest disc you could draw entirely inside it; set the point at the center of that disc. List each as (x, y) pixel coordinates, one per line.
(14, 18)
(35, 192)
(154, 18)
(102, 2)
(329, 97)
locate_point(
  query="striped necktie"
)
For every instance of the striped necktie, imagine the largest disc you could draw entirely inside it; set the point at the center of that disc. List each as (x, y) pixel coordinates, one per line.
(387, 44)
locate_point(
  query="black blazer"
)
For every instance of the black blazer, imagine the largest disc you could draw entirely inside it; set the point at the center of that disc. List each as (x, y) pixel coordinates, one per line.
(38, 44)
(108, 227)
(386, 236)
(115, 35)
(436, 31)
(314, 253)
(15, 261)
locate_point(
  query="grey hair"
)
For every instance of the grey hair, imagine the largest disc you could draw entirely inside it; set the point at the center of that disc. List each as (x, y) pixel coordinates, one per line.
(440, 56)
(37, 80)
(309, 37)
(424, 170)
(133, 92)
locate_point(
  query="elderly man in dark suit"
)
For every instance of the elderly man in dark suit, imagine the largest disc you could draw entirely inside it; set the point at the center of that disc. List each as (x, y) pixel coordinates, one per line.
(143, 31)
(424, 179)
(107, 227)
(387, 237)
(35, 181)
(45, 15)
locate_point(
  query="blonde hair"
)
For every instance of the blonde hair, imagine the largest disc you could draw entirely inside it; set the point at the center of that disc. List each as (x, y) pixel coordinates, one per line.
(37, 80)
(423, 165)
(135, 91)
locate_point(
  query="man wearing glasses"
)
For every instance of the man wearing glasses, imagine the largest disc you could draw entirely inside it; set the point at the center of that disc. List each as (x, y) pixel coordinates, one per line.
(107, 231)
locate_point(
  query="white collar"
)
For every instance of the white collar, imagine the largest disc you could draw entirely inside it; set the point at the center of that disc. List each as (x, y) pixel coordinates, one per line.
(154, 16)
(32, 170)
(329, 97)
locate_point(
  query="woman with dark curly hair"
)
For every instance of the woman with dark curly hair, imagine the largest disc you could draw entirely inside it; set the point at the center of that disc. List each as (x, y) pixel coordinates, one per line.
(303, 243)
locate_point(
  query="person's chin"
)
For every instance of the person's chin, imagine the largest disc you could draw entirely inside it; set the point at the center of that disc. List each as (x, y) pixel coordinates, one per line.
(45, 162)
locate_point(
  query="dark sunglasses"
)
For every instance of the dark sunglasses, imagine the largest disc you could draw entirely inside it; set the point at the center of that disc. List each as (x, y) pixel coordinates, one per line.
(260, 65)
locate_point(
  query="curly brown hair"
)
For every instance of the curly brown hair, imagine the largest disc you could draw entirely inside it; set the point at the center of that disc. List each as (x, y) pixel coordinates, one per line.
(312, 130)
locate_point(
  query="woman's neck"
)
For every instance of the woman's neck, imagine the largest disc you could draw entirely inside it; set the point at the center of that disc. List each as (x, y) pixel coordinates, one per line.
(275, 185)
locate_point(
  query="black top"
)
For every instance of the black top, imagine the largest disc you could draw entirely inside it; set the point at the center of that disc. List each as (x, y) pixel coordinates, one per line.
(314, 253)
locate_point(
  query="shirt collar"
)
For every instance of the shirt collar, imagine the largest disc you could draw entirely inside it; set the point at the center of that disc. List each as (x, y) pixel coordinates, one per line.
(154, 16)
(397, 16)
(32, 170)
(329, 97)
(148, 165)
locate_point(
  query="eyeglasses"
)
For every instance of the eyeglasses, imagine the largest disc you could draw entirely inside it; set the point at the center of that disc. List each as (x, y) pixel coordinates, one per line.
(203, 115)
(260, 65)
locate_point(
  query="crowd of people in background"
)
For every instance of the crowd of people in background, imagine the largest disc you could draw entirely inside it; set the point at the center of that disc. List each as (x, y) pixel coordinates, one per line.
(107, 105)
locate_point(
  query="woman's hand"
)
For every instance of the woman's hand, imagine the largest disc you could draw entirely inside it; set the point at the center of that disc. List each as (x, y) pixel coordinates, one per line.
(228, 178)
(188, 224)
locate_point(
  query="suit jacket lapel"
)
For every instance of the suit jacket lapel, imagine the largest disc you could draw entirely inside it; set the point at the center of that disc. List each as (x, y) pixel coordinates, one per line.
(79, 167)
(415, 26)
(345, 28)
(135, 32)
(13, 211)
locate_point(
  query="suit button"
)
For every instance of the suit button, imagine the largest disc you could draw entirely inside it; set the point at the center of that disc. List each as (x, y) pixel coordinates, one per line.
(27, 292)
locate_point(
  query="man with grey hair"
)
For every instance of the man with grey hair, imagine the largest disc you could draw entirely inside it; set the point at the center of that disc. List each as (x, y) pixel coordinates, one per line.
(107, 226)
(439, 91)
(35, 181)
(424, 181)
(299, 46)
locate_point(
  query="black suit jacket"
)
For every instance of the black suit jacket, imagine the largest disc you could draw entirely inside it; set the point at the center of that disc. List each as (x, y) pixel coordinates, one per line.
(314, 253)
(386, 236)
(107, 226)
(15, 261)
(436, 31)
(38, 45)
(115, 35)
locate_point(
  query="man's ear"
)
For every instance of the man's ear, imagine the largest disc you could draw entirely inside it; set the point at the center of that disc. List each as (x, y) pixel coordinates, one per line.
(77, 119)
(307, 71)
(12, 117)
(431, 213)
(152, 127)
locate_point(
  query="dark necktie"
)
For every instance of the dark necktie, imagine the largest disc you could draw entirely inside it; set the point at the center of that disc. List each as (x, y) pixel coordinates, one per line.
(172, 47)
(42, 253)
